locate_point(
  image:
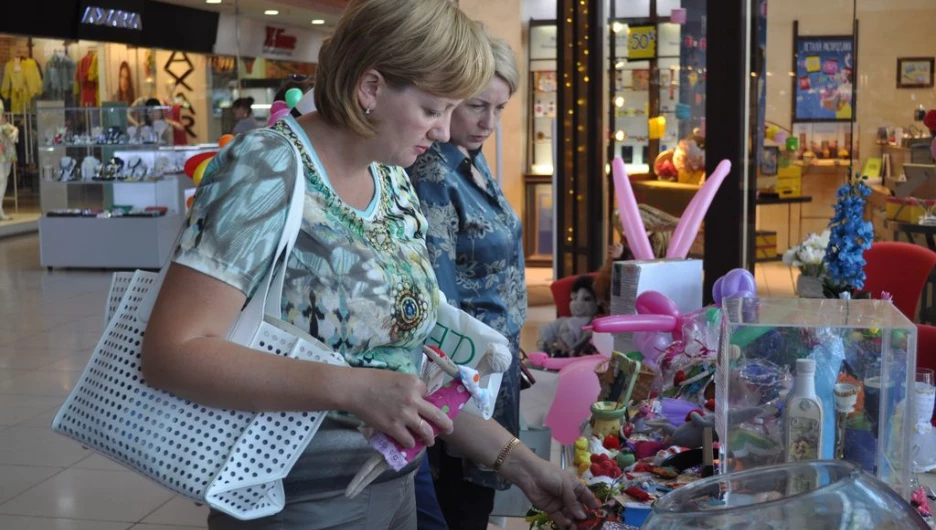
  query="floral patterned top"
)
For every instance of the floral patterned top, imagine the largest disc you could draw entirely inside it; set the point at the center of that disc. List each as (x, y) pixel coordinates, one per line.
(476, 247)
(359, 281)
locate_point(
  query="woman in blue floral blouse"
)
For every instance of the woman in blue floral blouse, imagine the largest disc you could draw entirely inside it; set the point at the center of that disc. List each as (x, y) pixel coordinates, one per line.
(475, 245)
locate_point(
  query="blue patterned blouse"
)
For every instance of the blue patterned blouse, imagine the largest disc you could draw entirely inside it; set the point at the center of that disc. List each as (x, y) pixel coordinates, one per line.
(476, 248)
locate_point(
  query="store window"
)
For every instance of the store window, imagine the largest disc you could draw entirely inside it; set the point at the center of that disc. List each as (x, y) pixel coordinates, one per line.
(656, 107)
(840, 90)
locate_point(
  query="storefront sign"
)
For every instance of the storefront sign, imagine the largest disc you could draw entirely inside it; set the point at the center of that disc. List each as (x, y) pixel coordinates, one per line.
(278, 42)
(641, 42)
(251, 38)
(112, 18)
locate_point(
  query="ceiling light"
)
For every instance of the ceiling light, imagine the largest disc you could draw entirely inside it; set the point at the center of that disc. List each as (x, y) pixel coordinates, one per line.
(212, 1)
(271, 12)
(317, 22)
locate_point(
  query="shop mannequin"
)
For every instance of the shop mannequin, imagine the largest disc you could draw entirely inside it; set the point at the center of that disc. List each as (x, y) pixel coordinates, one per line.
(9, 135)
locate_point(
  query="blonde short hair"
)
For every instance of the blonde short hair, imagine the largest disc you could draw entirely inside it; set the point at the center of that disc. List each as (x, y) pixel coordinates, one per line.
(505, 63)
(428, 44)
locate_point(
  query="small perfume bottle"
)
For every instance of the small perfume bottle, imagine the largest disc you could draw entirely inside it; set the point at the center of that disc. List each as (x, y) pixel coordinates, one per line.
(802, 416)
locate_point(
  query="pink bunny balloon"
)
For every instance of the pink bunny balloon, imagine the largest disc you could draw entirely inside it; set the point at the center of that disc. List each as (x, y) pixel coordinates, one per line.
(634, 230)
(691, 220)
(655, 312)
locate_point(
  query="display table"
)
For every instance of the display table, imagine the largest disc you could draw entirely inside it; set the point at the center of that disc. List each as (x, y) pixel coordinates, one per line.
(111, 242)
(789, 202)
(108, 243)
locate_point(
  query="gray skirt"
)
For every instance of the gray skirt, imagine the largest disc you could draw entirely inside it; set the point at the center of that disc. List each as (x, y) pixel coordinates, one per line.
(387, 505)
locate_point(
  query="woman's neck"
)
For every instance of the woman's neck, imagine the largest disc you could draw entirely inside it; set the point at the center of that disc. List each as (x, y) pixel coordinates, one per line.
(344, 153)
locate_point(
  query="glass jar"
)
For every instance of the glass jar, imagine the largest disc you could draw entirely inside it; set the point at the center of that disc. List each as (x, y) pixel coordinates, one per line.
(801, 495)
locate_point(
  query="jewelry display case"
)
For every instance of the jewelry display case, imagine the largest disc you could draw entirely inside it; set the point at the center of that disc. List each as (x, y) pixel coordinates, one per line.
(112, 186)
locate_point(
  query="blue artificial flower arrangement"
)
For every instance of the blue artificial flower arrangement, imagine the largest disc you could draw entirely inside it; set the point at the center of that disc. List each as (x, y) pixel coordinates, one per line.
(850, 236)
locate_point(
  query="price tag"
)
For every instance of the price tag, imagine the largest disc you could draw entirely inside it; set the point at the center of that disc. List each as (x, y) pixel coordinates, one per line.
(641, 42)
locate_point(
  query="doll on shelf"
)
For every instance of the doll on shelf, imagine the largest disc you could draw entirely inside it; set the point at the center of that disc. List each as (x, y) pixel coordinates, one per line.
(565, 337)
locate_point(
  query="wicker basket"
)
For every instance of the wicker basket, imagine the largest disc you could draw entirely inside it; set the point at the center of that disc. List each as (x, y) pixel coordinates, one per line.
(644, 384)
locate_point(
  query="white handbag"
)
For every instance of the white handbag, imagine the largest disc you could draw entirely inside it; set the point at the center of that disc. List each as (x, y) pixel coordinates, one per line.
(233, 461)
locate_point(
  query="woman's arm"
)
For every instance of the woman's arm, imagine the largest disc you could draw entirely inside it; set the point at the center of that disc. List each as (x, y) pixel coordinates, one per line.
(549, 488)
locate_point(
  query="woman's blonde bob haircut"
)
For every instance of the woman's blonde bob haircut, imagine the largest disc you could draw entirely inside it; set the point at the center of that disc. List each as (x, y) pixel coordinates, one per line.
(505, 63)
(427, 44)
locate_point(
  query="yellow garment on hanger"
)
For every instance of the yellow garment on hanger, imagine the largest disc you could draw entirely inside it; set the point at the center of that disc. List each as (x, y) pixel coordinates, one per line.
(21, 85)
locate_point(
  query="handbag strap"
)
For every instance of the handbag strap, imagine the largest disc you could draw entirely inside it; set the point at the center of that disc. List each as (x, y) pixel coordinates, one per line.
(270, 290)
(268, 298)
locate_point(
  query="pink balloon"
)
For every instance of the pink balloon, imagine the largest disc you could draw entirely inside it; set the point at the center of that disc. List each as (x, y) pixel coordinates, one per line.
(634, 230)
(651, 346)
(576, 390)
(277, 116)
(656, 303)
(780, 137)
(692, 218)
(278, 106)
(542, 360)
(631, 323)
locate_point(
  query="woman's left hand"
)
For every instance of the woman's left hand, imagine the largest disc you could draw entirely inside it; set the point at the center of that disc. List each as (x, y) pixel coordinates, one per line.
(551, 489)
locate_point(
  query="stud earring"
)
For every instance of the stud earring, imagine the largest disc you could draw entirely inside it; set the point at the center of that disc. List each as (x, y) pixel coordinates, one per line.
(367, 112)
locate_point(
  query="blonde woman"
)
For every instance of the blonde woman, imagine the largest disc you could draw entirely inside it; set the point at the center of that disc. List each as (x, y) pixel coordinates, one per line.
(476, 247)
(360, 278)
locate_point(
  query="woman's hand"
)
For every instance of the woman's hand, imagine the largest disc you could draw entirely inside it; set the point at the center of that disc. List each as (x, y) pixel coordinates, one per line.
(551, 489)
(395, 404)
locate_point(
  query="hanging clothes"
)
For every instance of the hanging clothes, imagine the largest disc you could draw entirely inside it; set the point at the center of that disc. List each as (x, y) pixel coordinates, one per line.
(179, 136)
(59, 79)
(86, 80)
(21, 83)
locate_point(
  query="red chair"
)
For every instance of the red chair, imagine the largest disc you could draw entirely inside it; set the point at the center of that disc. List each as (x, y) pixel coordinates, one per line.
(901, 269)
(926, 350)
(562, 293)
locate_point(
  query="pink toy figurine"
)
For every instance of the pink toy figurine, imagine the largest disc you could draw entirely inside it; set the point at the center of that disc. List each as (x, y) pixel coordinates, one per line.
(450, 398)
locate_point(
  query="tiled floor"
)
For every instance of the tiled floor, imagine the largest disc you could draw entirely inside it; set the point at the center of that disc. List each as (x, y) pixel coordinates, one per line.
(49, 322)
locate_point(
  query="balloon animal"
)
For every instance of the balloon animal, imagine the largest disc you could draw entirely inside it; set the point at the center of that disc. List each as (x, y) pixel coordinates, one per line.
(688, 225)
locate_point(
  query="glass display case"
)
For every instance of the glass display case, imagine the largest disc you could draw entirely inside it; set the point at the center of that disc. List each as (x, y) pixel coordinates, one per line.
(542, 97)
(862, 362)
(657, 91)
(112, 185)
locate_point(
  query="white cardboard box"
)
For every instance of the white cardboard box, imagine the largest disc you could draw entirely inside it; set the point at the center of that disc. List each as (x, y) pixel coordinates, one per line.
(679, 279)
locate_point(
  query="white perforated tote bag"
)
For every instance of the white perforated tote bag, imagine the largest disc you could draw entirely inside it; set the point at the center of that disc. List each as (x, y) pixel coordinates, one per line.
(233, 461)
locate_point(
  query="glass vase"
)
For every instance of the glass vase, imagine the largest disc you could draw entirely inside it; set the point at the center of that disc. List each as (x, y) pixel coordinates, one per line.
(815, 495)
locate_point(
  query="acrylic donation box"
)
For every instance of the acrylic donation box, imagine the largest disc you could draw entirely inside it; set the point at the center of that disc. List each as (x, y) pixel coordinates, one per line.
(816, 379)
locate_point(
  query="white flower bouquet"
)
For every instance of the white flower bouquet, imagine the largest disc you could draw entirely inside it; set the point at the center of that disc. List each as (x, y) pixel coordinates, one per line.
(809, 256)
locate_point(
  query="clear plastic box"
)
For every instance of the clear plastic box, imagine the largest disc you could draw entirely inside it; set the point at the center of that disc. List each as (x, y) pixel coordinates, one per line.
(866, 343)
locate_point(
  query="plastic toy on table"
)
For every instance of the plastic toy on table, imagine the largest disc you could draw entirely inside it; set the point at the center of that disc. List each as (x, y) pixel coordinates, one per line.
(450, 398)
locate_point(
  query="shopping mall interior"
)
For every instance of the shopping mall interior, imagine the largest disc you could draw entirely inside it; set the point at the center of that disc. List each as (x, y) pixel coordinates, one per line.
(826, 112)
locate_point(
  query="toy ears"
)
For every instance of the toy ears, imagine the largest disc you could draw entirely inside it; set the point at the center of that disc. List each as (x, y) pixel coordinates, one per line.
(686, 229)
